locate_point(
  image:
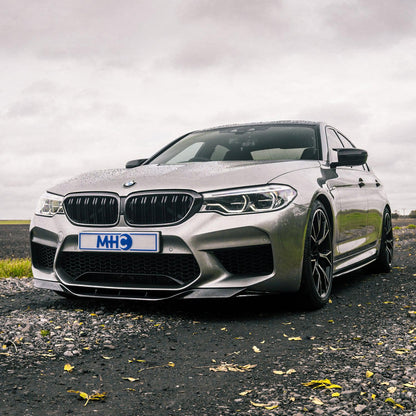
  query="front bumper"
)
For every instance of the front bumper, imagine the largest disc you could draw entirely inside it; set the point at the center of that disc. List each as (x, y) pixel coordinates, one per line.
(235, 255)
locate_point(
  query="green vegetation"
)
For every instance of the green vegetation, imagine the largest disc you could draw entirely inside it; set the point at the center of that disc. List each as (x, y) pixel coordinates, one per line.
(412, 214)
(14, 222)
(410, 227)
(15, 268)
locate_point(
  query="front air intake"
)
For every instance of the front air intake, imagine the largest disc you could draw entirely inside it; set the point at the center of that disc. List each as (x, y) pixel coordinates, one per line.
(252, 260)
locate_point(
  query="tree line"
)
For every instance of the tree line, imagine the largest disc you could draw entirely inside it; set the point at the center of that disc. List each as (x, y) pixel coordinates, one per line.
(412, 214)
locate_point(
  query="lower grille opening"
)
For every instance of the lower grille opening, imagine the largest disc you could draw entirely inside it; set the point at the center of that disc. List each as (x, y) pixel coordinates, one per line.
(252, 260)
(128, 269)
(42, 256)
(129, 280)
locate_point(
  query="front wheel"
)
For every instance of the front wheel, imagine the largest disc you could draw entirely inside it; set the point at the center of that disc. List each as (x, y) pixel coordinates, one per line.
(316, 282)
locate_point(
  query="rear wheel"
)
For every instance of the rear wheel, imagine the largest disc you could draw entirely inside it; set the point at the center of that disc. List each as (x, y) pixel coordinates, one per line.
(385, 256)
(316, 282)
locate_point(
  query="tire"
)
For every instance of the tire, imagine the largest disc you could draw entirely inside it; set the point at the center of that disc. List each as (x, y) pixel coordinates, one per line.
(316, 284)
(385, 255)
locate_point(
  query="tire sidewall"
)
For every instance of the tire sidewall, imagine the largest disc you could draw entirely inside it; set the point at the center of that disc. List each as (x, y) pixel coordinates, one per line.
(383, 259)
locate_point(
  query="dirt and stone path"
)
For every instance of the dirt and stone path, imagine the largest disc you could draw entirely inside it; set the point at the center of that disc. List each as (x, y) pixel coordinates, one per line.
(254, 356)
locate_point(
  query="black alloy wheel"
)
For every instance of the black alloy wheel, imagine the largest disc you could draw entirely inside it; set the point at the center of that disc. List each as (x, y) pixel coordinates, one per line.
(318, 259)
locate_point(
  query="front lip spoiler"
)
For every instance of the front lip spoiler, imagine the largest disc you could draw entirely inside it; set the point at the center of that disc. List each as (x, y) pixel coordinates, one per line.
(46, 284)
(213, 293)
(186, 294)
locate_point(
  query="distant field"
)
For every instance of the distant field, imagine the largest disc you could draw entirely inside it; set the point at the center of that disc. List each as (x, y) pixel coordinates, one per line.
(14, 241)
(14, 222)
(403, 221)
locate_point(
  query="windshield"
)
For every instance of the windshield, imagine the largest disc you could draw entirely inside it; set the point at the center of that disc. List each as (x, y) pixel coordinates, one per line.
(253, 142)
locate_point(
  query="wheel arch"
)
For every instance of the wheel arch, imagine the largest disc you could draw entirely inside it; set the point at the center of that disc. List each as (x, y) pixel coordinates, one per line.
(328, 207)
(323, 199)
(388, 208)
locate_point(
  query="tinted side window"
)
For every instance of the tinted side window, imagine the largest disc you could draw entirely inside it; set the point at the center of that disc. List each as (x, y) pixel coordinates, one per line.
(345, 141)
(333, 143)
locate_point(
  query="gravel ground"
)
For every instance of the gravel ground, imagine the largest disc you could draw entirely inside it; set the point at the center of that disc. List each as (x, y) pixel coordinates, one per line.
(250, 356)
(14, 241)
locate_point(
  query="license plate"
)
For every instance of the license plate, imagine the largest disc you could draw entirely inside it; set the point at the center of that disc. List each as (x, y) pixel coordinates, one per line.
(148, 242)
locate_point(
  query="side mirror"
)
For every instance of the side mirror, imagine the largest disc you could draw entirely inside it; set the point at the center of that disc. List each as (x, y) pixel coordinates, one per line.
(350, 157)
(134, 163)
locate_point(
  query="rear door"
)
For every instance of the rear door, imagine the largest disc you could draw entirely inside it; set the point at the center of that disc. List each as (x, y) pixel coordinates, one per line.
(376, 198)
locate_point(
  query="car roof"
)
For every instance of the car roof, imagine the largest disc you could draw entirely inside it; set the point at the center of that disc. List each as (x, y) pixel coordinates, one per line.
(266, 123)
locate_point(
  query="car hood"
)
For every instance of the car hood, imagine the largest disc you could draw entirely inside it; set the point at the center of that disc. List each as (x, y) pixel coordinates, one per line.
(199, 177)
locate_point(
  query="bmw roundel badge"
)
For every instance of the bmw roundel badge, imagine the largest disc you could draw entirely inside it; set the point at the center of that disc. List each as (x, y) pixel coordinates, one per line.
(129, 183)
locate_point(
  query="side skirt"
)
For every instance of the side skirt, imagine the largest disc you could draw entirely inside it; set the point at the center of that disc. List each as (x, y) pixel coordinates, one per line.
(354, 262)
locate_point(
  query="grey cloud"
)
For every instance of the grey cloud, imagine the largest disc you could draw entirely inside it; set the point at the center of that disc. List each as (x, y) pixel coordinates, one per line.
(26, 109)
(41, 87)
(240, 35)
(264, 29)
(82, 30)
(203, 55)
(196, 35)
(399, 135)
(230, 11)
(340, 114)
(373, 23)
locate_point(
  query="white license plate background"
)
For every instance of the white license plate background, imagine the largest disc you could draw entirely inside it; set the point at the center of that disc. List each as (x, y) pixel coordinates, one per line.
(148, 242)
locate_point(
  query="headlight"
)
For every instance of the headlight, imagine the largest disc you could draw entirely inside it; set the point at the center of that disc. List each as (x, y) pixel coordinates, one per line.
(249, 200)
(49, 205)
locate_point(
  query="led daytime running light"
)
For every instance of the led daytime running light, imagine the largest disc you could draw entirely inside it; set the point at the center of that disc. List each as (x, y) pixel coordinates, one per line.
(248, 200)
(49, 205)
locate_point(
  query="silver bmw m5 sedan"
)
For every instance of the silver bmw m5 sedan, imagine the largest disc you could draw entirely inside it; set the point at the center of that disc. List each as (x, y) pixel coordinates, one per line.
(229, 211)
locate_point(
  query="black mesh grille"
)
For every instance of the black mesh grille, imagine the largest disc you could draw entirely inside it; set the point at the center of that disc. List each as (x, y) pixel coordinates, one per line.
(151, 209)
(92, 209)
(129, 269)
(254, 260)
(43, 256)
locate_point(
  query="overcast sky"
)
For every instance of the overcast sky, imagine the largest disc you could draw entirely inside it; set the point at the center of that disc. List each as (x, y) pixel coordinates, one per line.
(91, 84)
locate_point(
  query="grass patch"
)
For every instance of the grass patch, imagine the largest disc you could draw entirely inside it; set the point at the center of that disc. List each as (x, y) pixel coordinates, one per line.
(411, 226)
(14, 222)
(15, 268)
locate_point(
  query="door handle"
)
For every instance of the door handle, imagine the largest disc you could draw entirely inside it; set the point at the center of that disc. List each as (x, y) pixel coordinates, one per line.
(361, 183)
